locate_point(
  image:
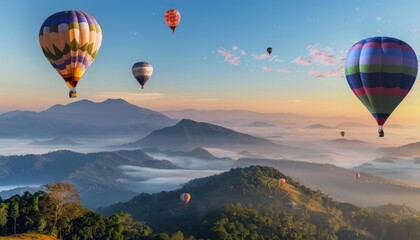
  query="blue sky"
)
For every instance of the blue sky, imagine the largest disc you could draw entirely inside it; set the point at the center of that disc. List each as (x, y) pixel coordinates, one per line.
(215, 59)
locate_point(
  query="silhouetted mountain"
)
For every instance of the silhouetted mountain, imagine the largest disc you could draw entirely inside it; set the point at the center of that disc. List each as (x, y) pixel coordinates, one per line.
(83, 118)
(259, 124)
(58, 141)
(318, 126)
(249, 202)
(409, 150)
(188, 134)
(95, 175)
(385, 160)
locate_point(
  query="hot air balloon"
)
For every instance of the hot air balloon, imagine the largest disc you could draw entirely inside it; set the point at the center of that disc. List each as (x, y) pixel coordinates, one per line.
(342, 133)
(142, 71)
(172, 18)
(282, 181)
(269, 50)
(185, 197)
(358, 176)
(70, 40)
(381, 72)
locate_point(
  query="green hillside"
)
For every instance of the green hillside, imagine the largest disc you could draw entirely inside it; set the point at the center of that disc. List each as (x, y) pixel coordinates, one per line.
(242, 204)
(246, 203)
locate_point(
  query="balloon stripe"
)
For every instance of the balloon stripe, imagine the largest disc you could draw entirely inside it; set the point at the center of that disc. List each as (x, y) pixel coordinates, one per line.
(373, 80)
(384, 68)
(389, 60)
(379, 52)
(380, 90)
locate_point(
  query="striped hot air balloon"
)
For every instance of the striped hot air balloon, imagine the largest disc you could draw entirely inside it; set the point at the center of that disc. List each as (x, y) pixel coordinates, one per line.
(70, 40)
(142, 71)
(381, 72)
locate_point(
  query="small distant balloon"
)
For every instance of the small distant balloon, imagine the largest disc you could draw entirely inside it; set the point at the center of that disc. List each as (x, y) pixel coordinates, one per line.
(172, 18)
(269, 50)
(70, 40)
(342, 133)
(282, 181)
(358, 176)
(185, 197)
(142, 71)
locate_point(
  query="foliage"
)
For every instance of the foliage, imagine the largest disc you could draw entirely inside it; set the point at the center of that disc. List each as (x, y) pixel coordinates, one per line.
(239, 204)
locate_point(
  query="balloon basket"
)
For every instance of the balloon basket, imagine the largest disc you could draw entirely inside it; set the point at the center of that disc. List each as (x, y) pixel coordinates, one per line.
(72, 94)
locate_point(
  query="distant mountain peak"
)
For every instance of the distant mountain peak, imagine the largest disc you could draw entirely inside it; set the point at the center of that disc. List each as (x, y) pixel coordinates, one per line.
(188, 134)
(186, 122)
(115, 101)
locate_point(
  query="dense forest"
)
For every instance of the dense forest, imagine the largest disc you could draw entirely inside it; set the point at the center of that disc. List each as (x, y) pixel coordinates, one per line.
(244, 203)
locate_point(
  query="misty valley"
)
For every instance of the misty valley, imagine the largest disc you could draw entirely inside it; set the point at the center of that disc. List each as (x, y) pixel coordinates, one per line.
(142, 173)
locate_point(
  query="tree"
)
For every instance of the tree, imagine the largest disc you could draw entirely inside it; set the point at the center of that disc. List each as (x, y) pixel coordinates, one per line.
(14, 212)
(3, 217)
(63, 202)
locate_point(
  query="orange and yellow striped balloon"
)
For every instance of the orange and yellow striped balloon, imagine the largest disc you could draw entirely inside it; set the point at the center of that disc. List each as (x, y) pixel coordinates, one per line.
(70, 40)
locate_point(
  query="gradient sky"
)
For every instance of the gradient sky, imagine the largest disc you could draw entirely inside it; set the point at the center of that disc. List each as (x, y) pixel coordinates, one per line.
(216, 58)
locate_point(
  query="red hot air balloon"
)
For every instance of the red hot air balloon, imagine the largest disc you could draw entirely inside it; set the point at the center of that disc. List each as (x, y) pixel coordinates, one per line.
(172, 18)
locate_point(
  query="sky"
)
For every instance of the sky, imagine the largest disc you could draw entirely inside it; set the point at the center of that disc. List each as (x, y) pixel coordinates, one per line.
(215, 60)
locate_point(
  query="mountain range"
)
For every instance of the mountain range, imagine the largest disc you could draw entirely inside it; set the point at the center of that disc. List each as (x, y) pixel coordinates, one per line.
(112, 117)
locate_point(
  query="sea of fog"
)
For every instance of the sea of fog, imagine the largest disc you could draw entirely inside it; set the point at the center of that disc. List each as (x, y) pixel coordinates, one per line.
(323, 143)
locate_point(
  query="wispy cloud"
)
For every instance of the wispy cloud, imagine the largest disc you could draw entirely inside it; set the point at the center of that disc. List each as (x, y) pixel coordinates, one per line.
(276, 59)
(294, 101)
(335, 73)
(267, 68)
(379, 18)
(283, 70)
(302, 61)
(233, 56)
(260, 56)
(132, 96)
(324, 56)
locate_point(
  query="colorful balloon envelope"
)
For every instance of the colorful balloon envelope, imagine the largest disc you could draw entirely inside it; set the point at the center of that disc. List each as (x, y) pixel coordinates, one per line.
(185, 197)
(269, 50)
(381, 71)
(142, 71)
(70, 40)
(282, 181)
(172, 18)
